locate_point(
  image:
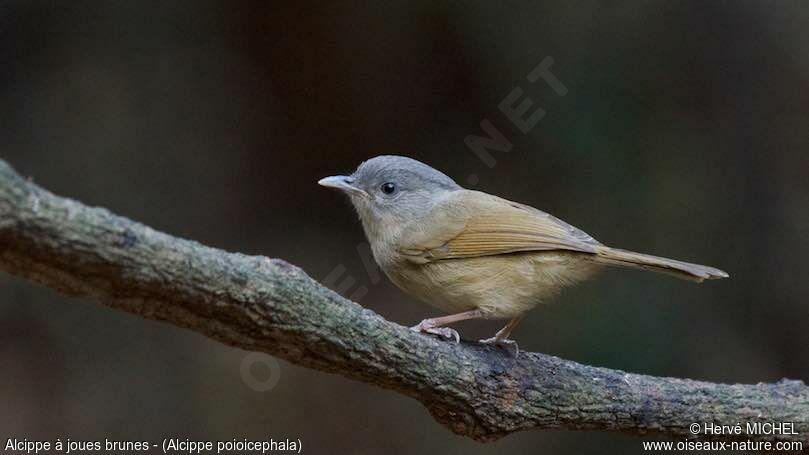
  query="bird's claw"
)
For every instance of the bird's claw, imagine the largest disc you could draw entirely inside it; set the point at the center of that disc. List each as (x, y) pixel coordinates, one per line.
(443, 332)
(509, 345)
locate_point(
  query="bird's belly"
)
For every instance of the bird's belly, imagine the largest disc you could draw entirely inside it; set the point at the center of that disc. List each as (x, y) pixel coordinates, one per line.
(502, 286)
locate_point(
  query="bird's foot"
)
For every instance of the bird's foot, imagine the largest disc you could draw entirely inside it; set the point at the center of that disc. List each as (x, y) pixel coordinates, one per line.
(427, 326)
(509, 345)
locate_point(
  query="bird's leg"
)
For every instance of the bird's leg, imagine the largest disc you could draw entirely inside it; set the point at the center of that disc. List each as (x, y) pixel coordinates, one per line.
(501, 337)
(435, 325)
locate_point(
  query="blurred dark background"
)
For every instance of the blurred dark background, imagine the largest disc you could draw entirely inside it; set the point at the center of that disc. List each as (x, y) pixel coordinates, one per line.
(684, 133)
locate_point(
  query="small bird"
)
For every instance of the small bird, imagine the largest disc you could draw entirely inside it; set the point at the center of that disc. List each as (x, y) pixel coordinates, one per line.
(474, 255)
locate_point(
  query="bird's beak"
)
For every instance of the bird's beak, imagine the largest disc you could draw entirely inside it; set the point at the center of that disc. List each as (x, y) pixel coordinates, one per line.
(342, 183)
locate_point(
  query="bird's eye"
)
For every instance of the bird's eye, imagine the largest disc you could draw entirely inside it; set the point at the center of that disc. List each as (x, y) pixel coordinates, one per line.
(388, 188)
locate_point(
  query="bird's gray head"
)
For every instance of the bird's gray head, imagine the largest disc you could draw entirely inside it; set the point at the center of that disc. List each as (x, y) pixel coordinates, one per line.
(389, 191)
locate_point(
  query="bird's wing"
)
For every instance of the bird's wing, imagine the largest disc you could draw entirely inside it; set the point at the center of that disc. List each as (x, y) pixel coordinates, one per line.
(472, 224)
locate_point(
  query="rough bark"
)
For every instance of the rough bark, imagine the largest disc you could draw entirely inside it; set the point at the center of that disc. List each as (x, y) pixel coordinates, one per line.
(261, 304)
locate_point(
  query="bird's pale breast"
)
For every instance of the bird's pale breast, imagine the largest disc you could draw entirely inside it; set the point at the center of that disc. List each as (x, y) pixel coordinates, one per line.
(502, 286)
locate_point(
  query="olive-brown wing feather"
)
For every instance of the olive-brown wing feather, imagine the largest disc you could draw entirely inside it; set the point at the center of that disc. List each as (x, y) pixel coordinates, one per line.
(473, 224)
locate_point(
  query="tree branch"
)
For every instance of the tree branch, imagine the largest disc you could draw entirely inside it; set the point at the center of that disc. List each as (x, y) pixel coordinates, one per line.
(268, 305)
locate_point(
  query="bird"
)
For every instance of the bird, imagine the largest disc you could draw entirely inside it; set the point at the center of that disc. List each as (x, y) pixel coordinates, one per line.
(474, 255)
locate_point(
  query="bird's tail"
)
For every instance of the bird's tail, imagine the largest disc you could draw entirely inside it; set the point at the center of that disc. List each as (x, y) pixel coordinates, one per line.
(679, 269)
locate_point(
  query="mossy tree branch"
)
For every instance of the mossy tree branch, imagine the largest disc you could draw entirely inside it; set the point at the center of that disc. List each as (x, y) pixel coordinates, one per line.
(268, 305)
